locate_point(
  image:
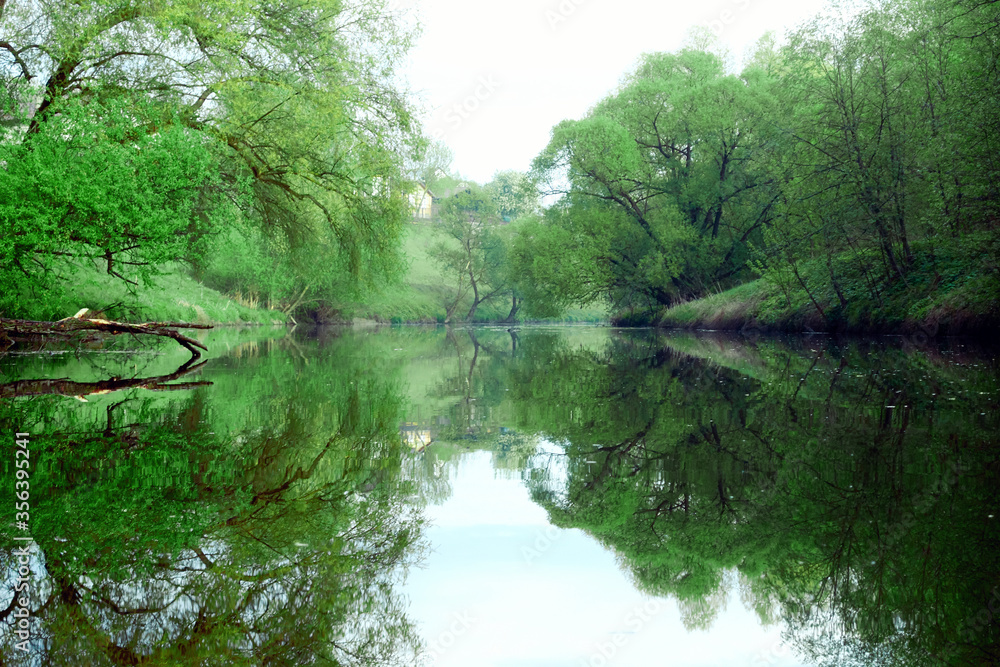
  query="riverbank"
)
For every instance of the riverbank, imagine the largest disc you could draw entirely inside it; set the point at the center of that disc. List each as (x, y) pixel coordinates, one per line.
(422, 297)
(175, 297)
(419, 298)
(947, 291)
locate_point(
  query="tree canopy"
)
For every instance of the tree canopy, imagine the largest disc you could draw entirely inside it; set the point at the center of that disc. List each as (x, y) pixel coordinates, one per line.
(848, 150)
(293, 110)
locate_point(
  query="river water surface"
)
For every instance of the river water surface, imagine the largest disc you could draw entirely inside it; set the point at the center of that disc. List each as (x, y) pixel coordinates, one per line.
(536, 497)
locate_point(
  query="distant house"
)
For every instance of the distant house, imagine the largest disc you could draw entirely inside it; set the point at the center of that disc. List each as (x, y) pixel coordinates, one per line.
(426, 205)
(421, 202)
(446, 191)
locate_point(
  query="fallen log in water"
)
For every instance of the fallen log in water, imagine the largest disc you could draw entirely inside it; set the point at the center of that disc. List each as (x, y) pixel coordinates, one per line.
(31, 331)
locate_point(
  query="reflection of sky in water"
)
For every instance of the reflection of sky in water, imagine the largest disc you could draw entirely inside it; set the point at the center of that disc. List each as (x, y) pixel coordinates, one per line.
(551, 464)
(503, 588)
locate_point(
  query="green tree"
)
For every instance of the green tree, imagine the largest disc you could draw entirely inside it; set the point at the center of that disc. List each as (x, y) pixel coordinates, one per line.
(297, 105)
(113, 180)
(471, 252)
(515, 194)
(877, 154)
(662, 177)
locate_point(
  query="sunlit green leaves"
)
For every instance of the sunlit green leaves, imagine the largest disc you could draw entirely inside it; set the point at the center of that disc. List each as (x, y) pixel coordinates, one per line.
(298, 101)
(109, 180)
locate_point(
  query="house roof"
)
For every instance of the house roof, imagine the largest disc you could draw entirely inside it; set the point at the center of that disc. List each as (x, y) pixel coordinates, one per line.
(424, 187)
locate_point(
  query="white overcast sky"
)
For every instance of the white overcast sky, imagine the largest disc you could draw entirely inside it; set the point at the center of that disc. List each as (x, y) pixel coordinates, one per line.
(495, 76)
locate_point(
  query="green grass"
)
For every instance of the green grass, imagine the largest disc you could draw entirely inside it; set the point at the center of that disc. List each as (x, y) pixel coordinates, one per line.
(423, 294)
(724, 310)
(947, 290)
(175, 296)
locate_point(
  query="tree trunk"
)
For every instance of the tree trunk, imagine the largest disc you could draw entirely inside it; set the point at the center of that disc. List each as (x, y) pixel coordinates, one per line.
(795, 270)
(475, 293)
(514, 307)
(833, 280)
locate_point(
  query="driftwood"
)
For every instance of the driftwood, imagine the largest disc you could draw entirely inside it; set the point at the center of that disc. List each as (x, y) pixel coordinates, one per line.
(23, 331)
(66, 387)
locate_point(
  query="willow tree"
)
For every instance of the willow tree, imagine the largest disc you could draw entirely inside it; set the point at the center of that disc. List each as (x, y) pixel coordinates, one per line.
(296, 104)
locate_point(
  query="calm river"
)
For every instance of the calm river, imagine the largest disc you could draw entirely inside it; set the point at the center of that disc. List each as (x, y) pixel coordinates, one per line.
(537, 497)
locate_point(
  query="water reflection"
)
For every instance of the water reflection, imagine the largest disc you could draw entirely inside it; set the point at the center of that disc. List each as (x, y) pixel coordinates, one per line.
(842, 492)
(850, 488)
(257, 521)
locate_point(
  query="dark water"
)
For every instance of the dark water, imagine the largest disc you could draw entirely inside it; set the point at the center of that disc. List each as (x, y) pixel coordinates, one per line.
(550, 496)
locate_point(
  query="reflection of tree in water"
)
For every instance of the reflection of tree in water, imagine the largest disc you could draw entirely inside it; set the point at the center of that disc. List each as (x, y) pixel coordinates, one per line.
(430, 474)
(164, 539)
(476, 385)
(864, 527)
(513, 450)
(474, 388)
(66, 387)
(772, 472)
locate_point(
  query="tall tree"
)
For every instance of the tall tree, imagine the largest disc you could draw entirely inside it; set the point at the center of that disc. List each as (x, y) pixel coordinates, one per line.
(297, 102)
(670, 159)
(471, 251)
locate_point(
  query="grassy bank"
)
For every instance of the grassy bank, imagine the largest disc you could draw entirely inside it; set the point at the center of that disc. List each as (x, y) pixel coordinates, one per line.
(422, 296)
(175, 296)
(947, 291)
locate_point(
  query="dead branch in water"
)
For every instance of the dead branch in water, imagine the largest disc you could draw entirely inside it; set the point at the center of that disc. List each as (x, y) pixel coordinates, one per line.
(31, 331)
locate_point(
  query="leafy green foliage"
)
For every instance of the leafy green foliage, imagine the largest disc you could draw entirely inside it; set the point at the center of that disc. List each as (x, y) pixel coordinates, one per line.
(660, 179)
(514, 194)
(101, 180)
(853, 143)
(879, 155)
(294, 107)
